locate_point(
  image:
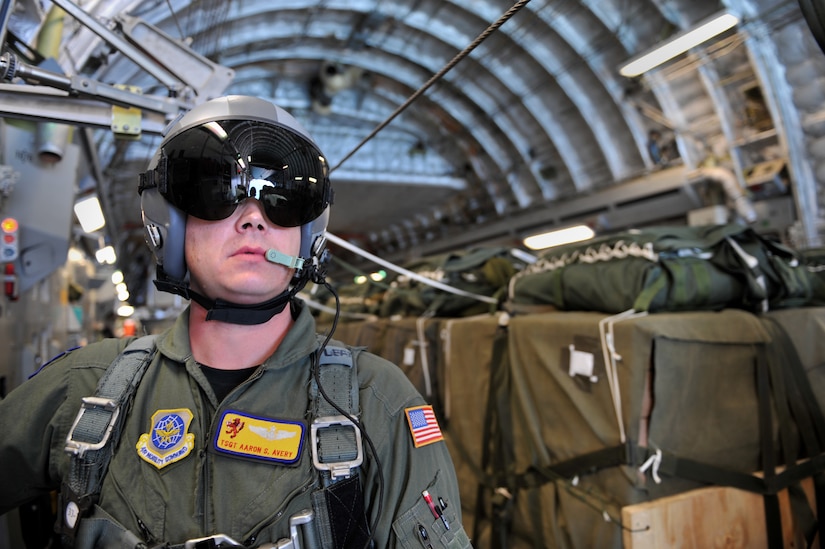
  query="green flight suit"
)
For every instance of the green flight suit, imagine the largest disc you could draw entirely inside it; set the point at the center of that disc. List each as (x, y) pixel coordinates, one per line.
(206, 491)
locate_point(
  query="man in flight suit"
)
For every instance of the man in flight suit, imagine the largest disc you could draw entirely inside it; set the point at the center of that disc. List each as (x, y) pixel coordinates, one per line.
(216, 449)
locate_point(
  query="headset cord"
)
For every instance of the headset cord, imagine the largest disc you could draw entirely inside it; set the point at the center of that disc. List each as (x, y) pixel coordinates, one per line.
(316, 375)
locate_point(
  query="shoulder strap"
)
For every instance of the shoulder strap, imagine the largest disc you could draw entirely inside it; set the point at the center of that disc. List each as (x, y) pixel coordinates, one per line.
(337, 450)
(336, 440)
(96, 430)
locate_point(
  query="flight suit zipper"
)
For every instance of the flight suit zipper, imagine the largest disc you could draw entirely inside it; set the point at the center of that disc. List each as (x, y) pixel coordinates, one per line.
(278, 515)
(144, 531)
(209, 432)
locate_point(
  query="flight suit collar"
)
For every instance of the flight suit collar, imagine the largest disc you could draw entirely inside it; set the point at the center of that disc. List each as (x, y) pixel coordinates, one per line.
(299, 342)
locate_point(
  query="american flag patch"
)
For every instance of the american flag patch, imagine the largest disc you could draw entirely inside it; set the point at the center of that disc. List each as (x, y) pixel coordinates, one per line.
(423, 425)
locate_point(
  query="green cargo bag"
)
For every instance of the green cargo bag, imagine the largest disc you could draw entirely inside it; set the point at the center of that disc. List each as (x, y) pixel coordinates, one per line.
(667, 269)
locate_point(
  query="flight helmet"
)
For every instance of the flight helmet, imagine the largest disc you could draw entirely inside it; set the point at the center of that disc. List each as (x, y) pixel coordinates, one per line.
(220, 153)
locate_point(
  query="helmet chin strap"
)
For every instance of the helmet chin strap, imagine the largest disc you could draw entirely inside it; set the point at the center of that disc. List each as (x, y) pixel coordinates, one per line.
(240, 313)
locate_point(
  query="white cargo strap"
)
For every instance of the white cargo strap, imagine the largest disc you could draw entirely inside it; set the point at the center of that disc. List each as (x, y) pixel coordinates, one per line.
(97, 426)
(752, 264)
(336, 442)
(422, 345)
(611, 360)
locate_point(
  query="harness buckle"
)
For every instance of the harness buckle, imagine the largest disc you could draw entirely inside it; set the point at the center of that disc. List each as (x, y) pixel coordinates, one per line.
(336, 468)
(93, 404)
(299, 519)
(211, 542)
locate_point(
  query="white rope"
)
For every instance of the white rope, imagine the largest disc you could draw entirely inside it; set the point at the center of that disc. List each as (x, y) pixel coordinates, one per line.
(446, 337)
(415, 276)
(653, 461)
(611, 360)
(752, 264)
(592, 254)
(423, 347)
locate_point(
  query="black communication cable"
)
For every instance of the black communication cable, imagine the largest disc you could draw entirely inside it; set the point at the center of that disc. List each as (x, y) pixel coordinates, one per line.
(316, 375)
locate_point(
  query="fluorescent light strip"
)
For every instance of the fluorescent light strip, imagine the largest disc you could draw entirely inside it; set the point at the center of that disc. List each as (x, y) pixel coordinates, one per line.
(679, 44)
(557, 238)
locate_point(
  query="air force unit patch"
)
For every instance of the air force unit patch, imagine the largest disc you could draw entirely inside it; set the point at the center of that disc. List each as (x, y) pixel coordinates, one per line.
(255, 437)
(168, 440)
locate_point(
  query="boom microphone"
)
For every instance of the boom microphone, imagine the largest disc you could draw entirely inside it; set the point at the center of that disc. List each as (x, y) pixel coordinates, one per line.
(291, 261)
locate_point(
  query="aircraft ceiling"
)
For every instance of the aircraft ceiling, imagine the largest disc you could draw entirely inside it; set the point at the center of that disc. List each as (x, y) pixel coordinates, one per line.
(496, 119)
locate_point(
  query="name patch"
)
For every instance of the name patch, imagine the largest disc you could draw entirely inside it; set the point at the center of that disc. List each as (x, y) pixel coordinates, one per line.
(168, 440)
(267, 439)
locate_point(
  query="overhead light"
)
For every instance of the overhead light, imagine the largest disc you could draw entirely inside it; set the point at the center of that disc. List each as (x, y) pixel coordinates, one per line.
(679, 44)
(558, 237)
(106, 255)
(75, 255)
(122, 291)
(89, 214)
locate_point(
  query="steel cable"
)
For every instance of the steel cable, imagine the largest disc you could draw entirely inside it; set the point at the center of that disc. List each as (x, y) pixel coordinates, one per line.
(437, 76)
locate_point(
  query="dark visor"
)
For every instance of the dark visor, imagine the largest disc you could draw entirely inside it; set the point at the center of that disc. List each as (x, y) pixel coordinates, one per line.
(212, 168)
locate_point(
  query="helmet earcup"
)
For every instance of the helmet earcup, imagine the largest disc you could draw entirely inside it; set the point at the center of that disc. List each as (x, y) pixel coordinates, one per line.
(313, 236)
(165, 232)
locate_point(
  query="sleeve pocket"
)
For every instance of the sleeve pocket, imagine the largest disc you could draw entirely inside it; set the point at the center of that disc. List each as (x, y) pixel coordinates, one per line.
(417, 528)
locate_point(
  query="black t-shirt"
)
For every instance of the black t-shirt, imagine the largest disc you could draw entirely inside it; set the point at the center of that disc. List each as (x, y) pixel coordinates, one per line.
(223, 381)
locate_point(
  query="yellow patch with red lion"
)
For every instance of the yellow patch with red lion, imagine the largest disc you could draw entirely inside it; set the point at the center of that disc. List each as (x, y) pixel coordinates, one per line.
(261, 438)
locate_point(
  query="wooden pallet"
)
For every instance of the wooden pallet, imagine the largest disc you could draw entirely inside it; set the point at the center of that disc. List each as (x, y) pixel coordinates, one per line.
(714, 517)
